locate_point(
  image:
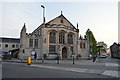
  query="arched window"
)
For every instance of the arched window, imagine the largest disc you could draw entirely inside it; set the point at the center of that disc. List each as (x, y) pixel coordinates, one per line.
(84, 45)
(61, 38)
(81, 45)
(70, 39)
(52, 37)
(36, 43)
(71, 48)
(30, 43)
(6, 45)
(13, 46)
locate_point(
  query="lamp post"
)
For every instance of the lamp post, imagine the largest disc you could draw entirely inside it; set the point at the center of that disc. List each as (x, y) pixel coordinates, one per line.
(43, 33)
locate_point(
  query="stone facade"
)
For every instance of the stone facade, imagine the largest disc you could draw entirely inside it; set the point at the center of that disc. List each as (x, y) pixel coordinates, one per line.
(60, 37)
(115, 50)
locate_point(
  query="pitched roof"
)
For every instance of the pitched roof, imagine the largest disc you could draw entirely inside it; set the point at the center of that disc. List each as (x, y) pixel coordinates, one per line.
(60, 16)
(9, 40)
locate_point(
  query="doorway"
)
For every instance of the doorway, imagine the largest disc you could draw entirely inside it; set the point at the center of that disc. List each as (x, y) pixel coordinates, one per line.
(64, 53)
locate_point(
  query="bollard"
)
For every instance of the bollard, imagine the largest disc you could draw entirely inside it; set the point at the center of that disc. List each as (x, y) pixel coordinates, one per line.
(29, 60)
(73, 60)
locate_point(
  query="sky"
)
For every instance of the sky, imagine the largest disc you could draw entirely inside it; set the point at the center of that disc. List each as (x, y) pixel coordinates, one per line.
(101, 17)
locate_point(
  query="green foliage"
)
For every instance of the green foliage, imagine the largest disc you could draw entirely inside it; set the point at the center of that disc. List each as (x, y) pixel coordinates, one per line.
(92, 42)
(102, 44)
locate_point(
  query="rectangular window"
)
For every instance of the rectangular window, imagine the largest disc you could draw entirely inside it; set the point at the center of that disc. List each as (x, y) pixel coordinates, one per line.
(30, 42)
(36, 43)
(52, 49)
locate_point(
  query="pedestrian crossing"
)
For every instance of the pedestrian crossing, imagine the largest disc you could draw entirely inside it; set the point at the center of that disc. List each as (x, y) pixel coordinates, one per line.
(111, 73)
(111, 64)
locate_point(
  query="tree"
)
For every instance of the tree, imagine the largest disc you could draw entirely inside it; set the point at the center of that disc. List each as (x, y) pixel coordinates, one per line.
(92, 42)
(101, 43)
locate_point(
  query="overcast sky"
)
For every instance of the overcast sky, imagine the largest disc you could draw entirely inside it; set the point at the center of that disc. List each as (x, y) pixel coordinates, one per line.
(99, 16)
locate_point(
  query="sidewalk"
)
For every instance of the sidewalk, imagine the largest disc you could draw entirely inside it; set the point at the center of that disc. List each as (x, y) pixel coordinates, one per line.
(81, 62)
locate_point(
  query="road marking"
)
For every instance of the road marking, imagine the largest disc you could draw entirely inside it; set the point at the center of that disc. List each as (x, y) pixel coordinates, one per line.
(110, 73)
(111, 64)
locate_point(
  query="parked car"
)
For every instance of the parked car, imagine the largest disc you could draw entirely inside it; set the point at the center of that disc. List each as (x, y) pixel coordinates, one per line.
(103, 56)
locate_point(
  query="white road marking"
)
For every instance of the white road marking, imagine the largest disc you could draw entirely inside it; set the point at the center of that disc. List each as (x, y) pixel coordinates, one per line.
(111, 73)
(111, 64)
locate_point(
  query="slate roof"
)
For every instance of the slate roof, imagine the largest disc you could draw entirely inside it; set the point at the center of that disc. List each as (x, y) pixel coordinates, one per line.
(9, 40)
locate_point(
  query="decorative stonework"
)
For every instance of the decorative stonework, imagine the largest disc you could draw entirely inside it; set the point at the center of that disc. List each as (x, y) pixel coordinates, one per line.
(70, 41)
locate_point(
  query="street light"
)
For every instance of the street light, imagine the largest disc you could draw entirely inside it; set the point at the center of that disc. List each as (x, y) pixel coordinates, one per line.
(43, 14)
(43, 32)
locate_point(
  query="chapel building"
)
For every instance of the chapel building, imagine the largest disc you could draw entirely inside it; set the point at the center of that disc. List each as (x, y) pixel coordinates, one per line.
(56, 37)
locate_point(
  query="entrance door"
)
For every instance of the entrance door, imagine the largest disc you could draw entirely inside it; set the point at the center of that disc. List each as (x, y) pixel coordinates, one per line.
(64, 53)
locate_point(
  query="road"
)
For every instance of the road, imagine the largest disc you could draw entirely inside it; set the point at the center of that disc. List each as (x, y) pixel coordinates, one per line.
(0, 70)
(50, 69)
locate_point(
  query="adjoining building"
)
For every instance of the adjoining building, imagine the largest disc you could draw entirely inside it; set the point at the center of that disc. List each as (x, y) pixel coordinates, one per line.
(60, 38)
(115, 50)
(9, 45)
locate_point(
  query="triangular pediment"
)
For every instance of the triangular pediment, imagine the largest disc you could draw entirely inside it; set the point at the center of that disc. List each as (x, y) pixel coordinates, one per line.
(60, 21)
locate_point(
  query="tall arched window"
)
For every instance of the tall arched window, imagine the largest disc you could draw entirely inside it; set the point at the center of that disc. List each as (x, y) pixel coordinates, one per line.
(61, 38)
(70, 39)
(84, 45)
(81, 45)
(71, 48)
(30, 43)
(52, 37)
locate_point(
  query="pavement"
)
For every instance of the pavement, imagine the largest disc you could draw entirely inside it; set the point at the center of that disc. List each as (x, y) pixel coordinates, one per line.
(108, 68)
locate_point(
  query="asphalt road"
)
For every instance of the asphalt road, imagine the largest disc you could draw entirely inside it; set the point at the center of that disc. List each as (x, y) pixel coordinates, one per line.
(0, 70)
(22, 70)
